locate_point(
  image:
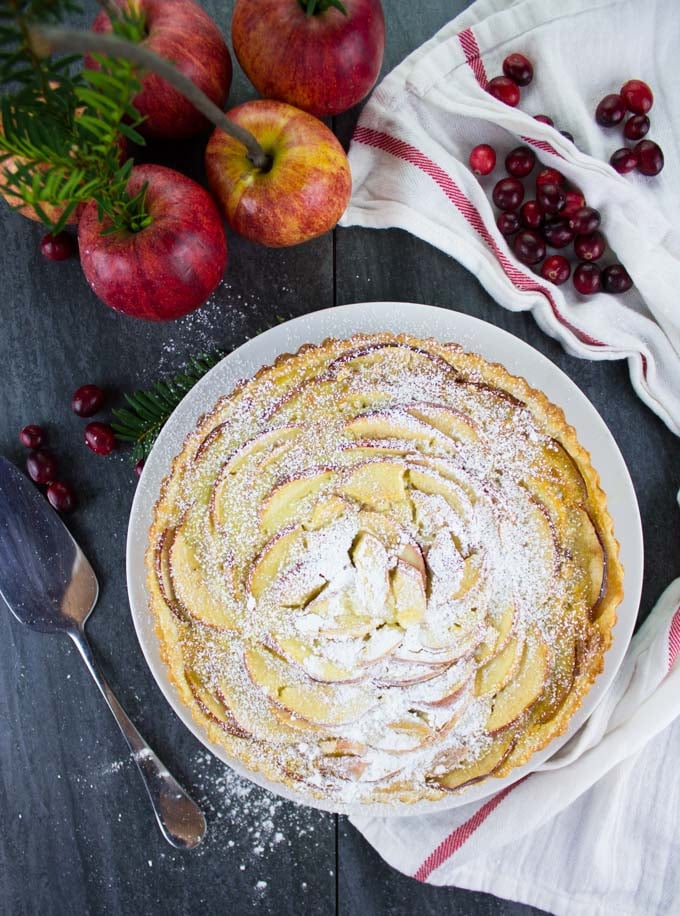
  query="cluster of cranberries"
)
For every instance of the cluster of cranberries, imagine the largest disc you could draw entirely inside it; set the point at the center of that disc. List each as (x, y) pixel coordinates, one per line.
(556, 217)
(41, 464)
(58, 247)
(637, 99)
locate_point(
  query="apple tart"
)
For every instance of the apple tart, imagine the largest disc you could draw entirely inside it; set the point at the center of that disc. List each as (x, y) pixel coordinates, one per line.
(382, 570)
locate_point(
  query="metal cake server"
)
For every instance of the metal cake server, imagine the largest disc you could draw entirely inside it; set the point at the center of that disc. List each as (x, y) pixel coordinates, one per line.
(49, 585)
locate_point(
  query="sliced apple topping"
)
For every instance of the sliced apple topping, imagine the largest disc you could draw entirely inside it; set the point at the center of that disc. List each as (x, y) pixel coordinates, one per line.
(587, 568)
(321, 704)
(318, 667)
(283, 503)
(498, 633)
(467, 774)
(499, 671)
(371, 563)
(433, 483)
(214, 708)
(408, 593)
(375, 484)
(192, 589)
(393, 423)
(272, 557)
(526, 687)
(453, 423)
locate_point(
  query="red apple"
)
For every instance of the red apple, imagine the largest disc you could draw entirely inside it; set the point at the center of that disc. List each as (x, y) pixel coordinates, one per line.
(167, 269)
(182, 32)
(323, 63)
(304, 191)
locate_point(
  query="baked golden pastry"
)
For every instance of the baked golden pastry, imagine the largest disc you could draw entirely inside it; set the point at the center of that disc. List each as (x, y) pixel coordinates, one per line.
(383, 569)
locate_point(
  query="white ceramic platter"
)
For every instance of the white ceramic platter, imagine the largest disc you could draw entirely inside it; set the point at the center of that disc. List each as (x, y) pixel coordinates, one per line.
(424, 321)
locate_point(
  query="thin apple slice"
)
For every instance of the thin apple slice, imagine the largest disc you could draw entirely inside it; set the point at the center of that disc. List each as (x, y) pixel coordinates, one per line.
(406, 674)
(283, 503)
(214, 709)
(498, 634)
(432, 483)
(408, 593)
(163, 577)
(453, 423)
(375, 484)
(315, 666)
(477, 770)
(587, 570)
(499, 671)
(563, 471)
(525, 688)
(322, 704)
(191, 588)
(392, 423)
(273, 557)
(383, 527)
(562, 675)
(371, 563)
(381, 643)
(325, 512)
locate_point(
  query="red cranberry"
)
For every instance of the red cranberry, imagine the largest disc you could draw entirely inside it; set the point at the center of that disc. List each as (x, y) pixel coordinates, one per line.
(544, 119)
(518, 68)
(550, 176)
(616, 279)
(589, 247)
(529, 246)
(483, 159)
(585, 220)
(610, 111)
(139, 467)
(649, 157)
(636, 127)
(637, 96)
(32, 436)
(504, 89)
(531, 215)
(61, 496)
(41, 466)
(508, 223)
(623, 160)
(58, 247)
(587, 279)
(574, 200)
(551, 197)
(508, 193)
(556, 269)
(100, 438)
(520, 161)
(87, 400)
(558, 233)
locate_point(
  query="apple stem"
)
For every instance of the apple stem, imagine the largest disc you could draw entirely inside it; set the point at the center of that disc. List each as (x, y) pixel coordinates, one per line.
(46, 40)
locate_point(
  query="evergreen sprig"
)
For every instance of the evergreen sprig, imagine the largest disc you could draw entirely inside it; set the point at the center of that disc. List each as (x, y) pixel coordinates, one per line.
(63, 131)
(148, 411)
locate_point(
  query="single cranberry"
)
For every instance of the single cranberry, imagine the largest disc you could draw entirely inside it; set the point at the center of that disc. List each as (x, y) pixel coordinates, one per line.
(61, 496)
(556, 268)
(569, 136)
(585, 220)
(649, 157)
(531, 215)
(616, 279)
(520, 161)
(100, 438)
(41, 466)
(544, 119)
(636, 127)
(139, 467)
(610, 111)
(87, 400)
(508, 223)
(574, 200)
(58, 247)
(558, 233)
(504, 89)
(529, 246)
(590, 247)
(637, 95)
(483, 159)
(508, 193)
(587, 279)
(32, 436)
(550, 176)
(518, 68)
(551, 197)
(624, 160)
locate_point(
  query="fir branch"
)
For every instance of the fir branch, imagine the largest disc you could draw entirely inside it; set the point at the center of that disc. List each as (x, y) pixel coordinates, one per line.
(148, 411)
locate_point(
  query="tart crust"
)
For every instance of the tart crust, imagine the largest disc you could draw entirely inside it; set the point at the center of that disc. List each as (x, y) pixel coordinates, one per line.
(383, 468)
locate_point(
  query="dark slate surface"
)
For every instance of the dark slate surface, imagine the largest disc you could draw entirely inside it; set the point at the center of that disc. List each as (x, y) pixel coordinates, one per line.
(76, 833)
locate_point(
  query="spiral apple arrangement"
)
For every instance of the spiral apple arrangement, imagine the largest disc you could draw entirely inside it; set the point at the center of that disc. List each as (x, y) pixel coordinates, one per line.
(370, 576)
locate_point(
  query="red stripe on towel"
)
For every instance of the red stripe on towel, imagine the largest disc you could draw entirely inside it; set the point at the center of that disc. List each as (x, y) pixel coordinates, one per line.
(674, 639)
(468, 43)
(402, 150)
(458, 837)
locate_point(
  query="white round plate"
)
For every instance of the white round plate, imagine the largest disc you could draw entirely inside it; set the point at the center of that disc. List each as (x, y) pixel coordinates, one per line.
(492, 343)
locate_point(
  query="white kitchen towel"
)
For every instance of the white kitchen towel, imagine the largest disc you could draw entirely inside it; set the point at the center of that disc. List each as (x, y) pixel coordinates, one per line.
(596, 831)
(409, 160)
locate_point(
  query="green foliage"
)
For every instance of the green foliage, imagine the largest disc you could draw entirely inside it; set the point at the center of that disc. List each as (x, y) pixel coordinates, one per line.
(147, 411)
(67, 126)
